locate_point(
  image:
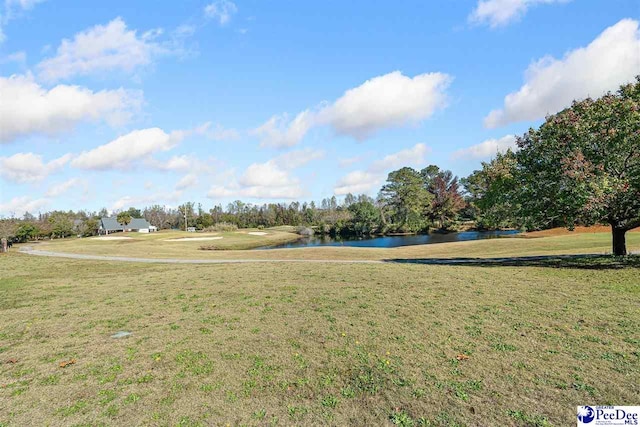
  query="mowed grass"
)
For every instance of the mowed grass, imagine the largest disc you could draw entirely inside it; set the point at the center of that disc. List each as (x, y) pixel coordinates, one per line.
(156, 246)
(313, 344)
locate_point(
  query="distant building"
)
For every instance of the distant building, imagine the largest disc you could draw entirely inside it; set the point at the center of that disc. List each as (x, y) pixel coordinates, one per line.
(111, 225)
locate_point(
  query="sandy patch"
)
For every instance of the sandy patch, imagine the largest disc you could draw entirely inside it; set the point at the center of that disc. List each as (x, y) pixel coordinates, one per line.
(192, 239)
(257, 233)
(112, 238)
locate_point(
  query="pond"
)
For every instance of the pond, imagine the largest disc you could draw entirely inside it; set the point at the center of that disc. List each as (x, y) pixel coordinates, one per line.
(394, 241)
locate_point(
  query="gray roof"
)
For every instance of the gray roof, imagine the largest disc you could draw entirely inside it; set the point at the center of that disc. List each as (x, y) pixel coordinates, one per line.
(112, 224)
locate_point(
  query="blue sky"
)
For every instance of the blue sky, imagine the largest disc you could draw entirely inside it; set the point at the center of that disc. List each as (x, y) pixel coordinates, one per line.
(117, 104)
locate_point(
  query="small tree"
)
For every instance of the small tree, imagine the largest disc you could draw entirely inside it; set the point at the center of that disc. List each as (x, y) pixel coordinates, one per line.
(61, 224)
(124, 218)
(583, 165)
(366, 217)
(490, 192)
(24, 232)
(404, 194)
(89, 227)
(447, 200)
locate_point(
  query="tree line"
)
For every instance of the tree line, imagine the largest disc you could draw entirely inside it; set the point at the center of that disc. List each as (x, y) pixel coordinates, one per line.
(410, 201)
(580, 167)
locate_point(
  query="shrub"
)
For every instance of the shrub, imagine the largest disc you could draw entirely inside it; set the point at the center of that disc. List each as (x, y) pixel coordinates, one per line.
(222, 226)
(304, 231)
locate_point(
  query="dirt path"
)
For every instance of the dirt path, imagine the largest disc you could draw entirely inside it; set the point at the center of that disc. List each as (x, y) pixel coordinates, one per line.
(427, 261)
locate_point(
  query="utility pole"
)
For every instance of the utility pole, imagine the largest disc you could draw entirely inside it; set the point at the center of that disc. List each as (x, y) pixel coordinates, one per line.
(185, 217)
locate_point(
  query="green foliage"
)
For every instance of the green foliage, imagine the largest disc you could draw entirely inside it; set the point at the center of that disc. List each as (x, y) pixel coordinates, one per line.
(222, 227)
(124, 218)
(490, 190)
(134, 213)
(61, 224)
(405, 199)
(25, 232)
(401, 419)
(365, 217)
(447, 200)
(89, 227)
(582, 166)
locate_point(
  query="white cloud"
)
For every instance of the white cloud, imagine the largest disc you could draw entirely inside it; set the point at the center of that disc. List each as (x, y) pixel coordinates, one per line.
(18, 206)
(187, 181)
(221, 11)
(387, 101)
(265, 180)
(498, 13)
(181, 163)
(22, 4)
(281, 132)
(357, 182)
(102, 48)
(27, 108)
(125, 150)
(219, 133)
(157, 198)
(63, 187)
(219, 192)
(487, 149)
(29, 167)
(189, 164)
(19, 57)
(265, 174)
(409, 157)
(348, 161)
(363, 181)
(293, 191)
(298, 158)
(185, 30)
(612, 59)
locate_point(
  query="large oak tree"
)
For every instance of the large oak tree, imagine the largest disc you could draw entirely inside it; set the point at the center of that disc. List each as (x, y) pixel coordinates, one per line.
(582, 166)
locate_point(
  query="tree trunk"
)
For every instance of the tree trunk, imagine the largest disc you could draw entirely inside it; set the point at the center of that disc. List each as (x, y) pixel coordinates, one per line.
(619, 241)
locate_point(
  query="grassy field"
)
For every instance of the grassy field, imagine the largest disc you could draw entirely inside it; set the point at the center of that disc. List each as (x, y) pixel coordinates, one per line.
(170, 242)
(309, 344)
(157, 246)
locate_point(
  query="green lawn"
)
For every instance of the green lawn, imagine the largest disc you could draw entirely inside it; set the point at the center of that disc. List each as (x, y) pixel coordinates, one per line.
(308, 344)
(158, 245)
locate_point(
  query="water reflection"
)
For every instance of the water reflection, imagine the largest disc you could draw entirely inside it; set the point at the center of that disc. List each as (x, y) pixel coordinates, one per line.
(394, 241)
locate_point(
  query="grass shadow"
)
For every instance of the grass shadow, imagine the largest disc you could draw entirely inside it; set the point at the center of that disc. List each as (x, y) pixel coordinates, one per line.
(588, 262)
